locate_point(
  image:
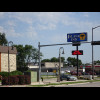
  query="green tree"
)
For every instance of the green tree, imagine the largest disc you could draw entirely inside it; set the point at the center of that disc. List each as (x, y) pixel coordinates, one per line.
(73, 61)
(62, 59)
(53, 59)
(20, 56)
(3, 40)
(46, 60)
(26, 54)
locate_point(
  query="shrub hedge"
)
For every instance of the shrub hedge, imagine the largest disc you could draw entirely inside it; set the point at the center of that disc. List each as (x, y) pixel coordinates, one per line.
(6, 74)
(16, 80)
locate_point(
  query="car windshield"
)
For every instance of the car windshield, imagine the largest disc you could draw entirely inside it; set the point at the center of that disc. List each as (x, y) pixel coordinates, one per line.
(68, 75)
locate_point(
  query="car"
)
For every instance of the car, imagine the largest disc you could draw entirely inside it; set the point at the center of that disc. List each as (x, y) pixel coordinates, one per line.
(72, 78)
(67, 71)
(67, 77)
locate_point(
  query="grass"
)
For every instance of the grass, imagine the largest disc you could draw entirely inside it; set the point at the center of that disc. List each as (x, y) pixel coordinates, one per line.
(64, 83)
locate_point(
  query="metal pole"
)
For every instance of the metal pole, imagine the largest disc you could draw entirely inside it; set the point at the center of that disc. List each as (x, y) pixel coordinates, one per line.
(92, 53)
(92, 57)
(77, 60)
(59, 64)
(39, 64)
(8, 65)
(58, 80)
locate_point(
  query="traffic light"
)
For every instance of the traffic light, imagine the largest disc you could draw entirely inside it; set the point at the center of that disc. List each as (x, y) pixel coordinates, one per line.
(76, 44)
(95, 43)
(79, 52)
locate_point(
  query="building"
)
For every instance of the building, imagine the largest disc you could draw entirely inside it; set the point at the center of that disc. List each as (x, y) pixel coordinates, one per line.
(89, 68)
(50, 64)
(32, 65)
(4, 58)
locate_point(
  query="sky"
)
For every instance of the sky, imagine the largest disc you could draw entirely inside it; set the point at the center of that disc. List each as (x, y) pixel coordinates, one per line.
(52, 28)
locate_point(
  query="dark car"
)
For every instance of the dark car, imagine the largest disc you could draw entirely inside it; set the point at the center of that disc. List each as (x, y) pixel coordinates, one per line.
(67, 77)
(64, 77)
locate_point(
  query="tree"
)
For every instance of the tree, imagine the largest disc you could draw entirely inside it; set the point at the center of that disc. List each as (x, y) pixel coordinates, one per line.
(46, 60)
(54, 59)
(20, 56)
(73, 61)
(3, 40)
(25, 55)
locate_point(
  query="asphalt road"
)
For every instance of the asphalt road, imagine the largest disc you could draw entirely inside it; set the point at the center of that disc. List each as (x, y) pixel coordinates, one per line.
(93, 84)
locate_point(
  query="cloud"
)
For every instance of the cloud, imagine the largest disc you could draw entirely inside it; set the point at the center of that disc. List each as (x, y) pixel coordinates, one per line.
(85, 14)
(2, 14)
(49, 26)
(11, 23)
(59, 38)
(35, 22)
(42, 20)
(10, 32)
(1, 29)
(31, 33)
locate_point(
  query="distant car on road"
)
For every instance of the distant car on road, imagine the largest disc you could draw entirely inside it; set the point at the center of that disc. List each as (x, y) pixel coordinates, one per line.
(67, 71)
(67, 77)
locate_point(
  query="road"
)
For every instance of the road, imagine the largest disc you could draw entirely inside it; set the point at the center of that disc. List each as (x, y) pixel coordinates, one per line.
(93, 84)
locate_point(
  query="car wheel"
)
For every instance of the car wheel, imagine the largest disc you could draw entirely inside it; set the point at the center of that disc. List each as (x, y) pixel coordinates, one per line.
(60, 79)
(67, 79)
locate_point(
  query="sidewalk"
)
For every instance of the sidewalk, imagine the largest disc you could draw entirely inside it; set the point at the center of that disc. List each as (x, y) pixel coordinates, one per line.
(47, 83)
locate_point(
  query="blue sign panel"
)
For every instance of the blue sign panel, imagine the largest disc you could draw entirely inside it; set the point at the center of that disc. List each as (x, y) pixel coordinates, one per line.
(76, 37)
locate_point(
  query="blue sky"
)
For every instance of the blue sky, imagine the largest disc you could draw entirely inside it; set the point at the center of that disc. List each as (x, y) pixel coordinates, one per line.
(51, 28)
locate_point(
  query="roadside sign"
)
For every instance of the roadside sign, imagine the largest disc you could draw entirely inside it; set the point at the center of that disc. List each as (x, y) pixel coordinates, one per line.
(77, 37)
(77, 52)
(83, 68)
(54, 71)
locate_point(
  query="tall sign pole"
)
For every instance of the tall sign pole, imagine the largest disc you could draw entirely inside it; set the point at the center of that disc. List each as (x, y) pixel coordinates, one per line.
(77, 59)
(76, 38)
(39, 64)
(94, 43)
(92, 57)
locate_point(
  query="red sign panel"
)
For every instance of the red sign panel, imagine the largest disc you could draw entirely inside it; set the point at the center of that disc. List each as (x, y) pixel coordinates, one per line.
(79, 52)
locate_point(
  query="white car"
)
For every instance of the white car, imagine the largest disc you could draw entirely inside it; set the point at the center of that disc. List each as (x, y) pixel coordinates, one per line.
(68, 71)
(72, 78)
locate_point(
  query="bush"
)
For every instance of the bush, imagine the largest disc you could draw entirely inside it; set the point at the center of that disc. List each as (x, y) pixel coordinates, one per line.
(4, 74)
(16, 80)
(13, 73)
(5, 81)
(21, 79)
(13, 80)
(16, 73)
(27, 79)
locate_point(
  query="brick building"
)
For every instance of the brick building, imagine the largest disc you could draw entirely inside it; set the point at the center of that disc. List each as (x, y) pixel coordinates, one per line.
(4, 58)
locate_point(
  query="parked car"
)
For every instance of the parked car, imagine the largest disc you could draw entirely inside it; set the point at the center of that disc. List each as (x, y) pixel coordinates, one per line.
(67, 77)
(72, 78)
(67, 71)
(75, 73)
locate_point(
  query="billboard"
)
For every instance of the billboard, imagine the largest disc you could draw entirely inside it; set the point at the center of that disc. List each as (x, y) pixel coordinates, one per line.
(77, 37)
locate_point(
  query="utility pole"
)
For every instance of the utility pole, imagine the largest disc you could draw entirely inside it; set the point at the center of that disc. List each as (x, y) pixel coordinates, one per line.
(39, 64)
(77, 59)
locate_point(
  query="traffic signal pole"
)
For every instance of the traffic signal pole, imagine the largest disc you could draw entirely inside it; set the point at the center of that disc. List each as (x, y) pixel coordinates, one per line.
(39, 46)
(77, 60)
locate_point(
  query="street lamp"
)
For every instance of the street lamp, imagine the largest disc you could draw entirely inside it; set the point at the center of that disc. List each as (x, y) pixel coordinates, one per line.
(8, 59)
(92, 52)
(58, 80)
